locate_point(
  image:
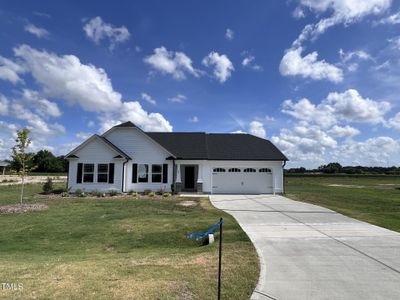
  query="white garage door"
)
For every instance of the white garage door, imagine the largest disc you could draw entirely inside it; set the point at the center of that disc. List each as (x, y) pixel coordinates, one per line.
(234, 180)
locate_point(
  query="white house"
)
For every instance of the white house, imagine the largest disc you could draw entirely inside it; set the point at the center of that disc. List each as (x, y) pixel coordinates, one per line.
(127, 158)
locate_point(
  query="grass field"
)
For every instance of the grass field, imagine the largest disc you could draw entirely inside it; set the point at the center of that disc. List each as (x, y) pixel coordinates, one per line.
(120, 249)
(372, 199)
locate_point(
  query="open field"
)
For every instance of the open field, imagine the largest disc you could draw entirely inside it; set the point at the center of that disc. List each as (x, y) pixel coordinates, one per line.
(372, 199)
(106, 248)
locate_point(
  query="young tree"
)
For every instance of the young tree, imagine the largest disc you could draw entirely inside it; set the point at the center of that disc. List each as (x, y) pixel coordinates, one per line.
(19, 154)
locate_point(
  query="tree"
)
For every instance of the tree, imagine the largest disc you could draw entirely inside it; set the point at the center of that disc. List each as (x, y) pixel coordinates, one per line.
(20, 155)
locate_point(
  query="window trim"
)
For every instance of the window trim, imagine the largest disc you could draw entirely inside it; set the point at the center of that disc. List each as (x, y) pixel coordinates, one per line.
(157, 173)
(103, 173)
(84, 173)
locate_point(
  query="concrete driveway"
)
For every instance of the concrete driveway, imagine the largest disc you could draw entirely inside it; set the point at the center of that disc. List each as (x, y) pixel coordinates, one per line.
(310, 252)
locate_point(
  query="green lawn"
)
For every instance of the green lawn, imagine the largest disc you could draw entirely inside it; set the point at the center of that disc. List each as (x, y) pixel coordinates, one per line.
(120, 249)
(372, 199)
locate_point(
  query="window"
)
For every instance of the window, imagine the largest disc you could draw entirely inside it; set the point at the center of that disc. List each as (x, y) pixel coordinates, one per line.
(88, 172)
(102, 173)
(249, 170)
(219, 170)
(234, 170)
(264, 170)
(156, 173)
(143, 173)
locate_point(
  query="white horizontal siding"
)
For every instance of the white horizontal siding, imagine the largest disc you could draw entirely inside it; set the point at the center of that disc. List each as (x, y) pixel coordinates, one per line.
(95, 152)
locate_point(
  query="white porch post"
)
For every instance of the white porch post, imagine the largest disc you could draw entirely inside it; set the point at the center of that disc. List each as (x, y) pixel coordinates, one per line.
(178, 173)
(200, 173)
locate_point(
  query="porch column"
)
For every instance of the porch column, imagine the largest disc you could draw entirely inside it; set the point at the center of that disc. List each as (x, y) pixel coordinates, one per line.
(199, 184)
(178, 182)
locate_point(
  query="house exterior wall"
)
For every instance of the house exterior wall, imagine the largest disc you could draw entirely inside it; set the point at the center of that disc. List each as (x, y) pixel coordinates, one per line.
(143, 150)
(206, 167)
(95, 152)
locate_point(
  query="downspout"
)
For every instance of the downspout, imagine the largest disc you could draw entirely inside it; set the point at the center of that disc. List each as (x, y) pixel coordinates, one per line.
(283, 177)
(123, 175)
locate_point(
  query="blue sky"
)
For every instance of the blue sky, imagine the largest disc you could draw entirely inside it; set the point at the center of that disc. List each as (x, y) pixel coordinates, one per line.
(318, 78)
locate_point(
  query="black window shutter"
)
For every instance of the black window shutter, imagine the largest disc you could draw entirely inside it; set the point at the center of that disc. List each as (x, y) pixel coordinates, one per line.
(134, 173)
(111, 173)
(165, 173)
(79, 173)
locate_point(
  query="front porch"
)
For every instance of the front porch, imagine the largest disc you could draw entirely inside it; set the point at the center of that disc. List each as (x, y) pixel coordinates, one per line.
(189, 178)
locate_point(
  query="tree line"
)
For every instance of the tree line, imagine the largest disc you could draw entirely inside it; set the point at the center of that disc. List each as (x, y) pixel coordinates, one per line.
(336, 168)
(42, 161)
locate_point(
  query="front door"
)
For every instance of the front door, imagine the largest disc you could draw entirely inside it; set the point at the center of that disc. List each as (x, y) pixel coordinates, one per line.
(189, 177)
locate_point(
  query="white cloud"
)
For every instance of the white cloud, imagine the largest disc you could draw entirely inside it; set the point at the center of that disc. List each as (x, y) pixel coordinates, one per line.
(133, 111)
(179, 98)
(257, 128)
(9, 70)
(293, 64)
(391, 20)
(41, 105)
(96, 30)
(194, 119)
(394, 122)
(67, 78)
(395, 43)
(229, 34)
(249, 62)
(177, 64)
(351, 59)
(351, 106)
(223, 67)
(342, 11)
(37, 31)
(148, 98)
(3, 105)
(91, 124)
(344, 131)
(348, 106)
(83, 135)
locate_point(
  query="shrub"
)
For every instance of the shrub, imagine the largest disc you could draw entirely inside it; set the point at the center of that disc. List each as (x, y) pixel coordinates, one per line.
(146, 192)
(97, 194)
(151, 194)
(60, 191)
(113, 193)
(131, 192)
(166, 195)
(64, 194)
(48, 186)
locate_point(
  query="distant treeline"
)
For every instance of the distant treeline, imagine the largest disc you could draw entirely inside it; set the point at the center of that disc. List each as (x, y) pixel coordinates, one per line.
(336, 168)
(43, 161)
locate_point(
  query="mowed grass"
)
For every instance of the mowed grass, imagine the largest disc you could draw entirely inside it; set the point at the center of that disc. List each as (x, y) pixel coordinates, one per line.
(120, 249)
(375, 200)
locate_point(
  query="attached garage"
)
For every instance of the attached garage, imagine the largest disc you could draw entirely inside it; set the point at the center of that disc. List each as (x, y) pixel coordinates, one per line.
(246, 180)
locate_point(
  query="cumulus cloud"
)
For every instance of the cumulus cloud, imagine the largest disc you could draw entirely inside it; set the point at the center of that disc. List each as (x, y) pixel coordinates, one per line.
(250, 62)
(229, 34)
(223, 67)
(351, 59)
(293, 64)
(344, 131)
(41, 105)
(177, 64)
(341, 11)
(37, 31)
(96, 30)
(179, 98)
(3, 105)
(348, 106)
(257, 128)
(146, 97)
(10, 70)
(83, 135)
(394, 122)
(67, 78)
(133, 111)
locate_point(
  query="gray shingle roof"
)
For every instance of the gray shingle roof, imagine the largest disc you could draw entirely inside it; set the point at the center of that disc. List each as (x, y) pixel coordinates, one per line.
(217, 146)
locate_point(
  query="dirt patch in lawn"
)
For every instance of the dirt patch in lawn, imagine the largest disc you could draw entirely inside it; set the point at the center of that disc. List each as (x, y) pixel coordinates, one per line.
(15, 209)
(188, 203)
